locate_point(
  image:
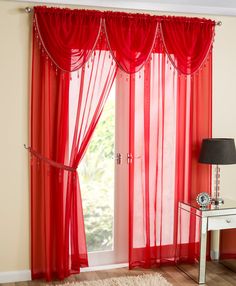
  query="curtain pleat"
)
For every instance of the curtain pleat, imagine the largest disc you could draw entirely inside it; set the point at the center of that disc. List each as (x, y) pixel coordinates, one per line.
(169, 116)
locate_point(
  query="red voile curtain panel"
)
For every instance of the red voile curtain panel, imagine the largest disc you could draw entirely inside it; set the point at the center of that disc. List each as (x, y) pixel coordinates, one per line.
(167, 63)
(65, 108)
(170, 114)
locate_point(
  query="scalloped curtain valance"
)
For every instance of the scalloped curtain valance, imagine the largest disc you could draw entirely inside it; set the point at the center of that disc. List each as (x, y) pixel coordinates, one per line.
(70, 37)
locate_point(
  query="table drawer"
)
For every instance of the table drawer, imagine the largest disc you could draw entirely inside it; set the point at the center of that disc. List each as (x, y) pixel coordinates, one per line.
(222, 222)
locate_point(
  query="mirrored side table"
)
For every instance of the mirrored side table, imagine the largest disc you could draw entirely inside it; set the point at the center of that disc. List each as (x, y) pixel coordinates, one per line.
(210, 218)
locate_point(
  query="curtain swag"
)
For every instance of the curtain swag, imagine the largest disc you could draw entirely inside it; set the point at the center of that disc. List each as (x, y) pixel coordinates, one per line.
(130, 38)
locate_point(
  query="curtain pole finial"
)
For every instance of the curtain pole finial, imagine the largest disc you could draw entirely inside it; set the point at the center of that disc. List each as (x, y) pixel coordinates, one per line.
(28, 9)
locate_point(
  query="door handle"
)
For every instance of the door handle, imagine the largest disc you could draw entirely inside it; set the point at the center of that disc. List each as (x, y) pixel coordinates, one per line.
(118, 158)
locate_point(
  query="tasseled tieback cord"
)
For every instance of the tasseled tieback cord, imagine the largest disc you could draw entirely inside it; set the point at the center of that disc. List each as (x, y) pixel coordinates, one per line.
(49, 161)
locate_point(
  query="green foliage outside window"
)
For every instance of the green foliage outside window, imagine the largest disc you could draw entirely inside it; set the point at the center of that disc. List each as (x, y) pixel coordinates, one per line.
(97, 183)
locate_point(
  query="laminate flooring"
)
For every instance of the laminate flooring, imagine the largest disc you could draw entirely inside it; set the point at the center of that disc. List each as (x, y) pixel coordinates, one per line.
(217, 275)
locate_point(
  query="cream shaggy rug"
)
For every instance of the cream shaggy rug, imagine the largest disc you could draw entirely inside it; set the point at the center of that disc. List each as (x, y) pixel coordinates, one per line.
(140, 280)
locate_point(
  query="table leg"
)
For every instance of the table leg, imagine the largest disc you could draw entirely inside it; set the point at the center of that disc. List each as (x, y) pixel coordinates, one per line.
(215, 245)
(203, 243)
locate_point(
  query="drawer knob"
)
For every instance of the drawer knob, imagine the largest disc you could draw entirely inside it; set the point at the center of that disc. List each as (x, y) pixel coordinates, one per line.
(228, 220)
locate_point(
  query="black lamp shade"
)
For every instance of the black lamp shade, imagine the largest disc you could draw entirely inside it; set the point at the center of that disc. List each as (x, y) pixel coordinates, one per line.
(219, 151)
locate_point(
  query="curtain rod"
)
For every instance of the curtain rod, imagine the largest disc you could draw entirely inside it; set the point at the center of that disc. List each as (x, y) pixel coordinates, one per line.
(29, 10)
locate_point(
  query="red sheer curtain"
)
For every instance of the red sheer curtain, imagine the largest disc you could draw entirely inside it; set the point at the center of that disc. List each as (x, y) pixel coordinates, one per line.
(169, 116)
(68, 36)
(75, 57)
(131, 39)
(65, 108)
(187, 41)
(193, 123)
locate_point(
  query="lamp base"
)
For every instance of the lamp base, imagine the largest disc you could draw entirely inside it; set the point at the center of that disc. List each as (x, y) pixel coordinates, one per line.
(217, 201)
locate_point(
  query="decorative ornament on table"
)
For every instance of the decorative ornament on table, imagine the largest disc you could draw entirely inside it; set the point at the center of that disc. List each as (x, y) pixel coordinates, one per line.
(203, 199)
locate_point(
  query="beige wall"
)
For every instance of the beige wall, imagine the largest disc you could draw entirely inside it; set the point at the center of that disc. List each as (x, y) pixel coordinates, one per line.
(224, 95)
(14, 197)
(14, 94)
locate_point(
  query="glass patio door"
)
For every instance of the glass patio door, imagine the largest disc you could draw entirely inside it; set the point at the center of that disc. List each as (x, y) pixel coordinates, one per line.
(104, 182)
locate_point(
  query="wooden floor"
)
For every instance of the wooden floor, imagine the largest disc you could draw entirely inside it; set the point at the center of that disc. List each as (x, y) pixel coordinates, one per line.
(217, 275)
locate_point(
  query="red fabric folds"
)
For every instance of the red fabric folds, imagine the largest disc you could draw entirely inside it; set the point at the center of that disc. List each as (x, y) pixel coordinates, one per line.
(131, 39)
(187, 41)
(68, 36)
(65, 108)
(169, 116)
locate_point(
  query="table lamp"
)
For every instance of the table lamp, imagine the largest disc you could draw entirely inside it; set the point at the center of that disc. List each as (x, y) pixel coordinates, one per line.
(217, 151)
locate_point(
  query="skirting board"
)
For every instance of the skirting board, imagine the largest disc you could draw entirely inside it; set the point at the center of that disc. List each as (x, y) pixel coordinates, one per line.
(15, 276)
(25, 275)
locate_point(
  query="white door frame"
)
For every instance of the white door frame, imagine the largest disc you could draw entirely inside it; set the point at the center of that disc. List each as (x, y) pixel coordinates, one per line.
(121, 199)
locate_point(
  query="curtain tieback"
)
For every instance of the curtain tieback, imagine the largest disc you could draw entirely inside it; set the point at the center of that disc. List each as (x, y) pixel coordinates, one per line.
(49, 161)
